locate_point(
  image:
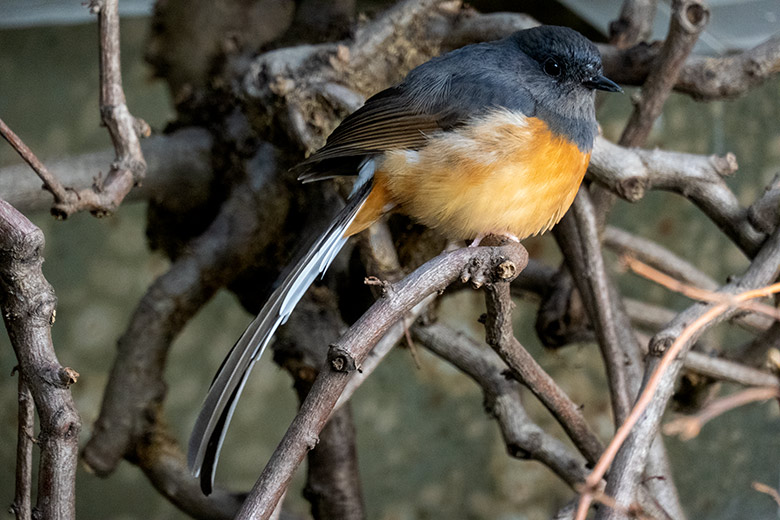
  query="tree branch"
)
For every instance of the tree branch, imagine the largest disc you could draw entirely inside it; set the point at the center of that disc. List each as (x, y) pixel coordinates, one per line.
(498, 329)
(22, 506)
(479, 265)
(635, 23)
(523, 438)
(626, 469)
(179, 165)
(27, 303)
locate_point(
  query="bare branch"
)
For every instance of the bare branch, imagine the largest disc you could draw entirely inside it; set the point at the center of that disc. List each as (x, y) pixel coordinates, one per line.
(333, 485)
(479, 264)
(703, 78)
(577, 235)
(50, 182)
(22, 506)
(523, 438)
(689, 427)
(136, 386)
(159, 456)
(635, 23)
(630, 172)
(178, 166)
(627, 468)
(688, 20)
(725, 370)
(657, 256)
(28, 304)
(498, 329)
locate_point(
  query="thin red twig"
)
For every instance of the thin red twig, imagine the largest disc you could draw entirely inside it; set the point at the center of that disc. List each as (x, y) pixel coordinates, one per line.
(689, 427)
(648, 393)
(695, 293)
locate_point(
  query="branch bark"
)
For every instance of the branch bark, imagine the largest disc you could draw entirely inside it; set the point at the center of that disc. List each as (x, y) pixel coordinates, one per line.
(22, 506)
(478, 265)
(523, 438)
(689, 17)
(28, 304)
(498, 329)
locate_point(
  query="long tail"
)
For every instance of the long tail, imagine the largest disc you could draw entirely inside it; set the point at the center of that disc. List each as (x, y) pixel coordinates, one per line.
(211, 425)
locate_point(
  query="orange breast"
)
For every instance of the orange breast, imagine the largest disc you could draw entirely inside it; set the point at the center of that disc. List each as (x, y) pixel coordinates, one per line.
(506, 173)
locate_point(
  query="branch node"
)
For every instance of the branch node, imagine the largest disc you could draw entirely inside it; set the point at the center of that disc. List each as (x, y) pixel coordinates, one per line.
(340, 360)
(697, 16)
(68, 376)
(141, 127)
(658, 346)
(506, 270)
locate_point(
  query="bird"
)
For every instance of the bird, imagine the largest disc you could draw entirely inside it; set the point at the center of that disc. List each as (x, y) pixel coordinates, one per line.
(491, 138)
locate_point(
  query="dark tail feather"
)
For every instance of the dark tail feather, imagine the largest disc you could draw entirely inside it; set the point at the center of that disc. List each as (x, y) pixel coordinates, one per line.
(211, 425)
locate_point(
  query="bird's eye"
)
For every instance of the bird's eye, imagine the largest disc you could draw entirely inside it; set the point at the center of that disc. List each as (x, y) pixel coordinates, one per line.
(552, 67)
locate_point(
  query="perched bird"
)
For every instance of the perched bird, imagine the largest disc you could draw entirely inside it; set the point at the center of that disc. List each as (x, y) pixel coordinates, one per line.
(492, 138)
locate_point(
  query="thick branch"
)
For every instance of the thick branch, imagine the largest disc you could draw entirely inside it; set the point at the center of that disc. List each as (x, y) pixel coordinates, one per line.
(630, 172)
(333, 485)
(478, 265)
(27, 303)
(159, 456)
(577, 236)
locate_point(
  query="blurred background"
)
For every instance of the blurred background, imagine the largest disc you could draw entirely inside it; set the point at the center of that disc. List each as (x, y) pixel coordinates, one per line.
(426, 448)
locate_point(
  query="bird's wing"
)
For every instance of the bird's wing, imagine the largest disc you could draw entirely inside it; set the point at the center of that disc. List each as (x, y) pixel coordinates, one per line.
(431, 99)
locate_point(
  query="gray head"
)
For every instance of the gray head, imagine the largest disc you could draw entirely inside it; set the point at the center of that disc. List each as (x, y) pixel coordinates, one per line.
(567, 69)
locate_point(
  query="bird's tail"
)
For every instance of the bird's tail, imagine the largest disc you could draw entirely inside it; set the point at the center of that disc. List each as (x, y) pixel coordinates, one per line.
(211, 425)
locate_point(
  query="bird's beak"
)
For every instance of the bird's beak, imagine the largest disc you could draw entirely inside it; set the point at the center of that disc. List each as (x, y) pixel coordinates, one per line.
(602, 83)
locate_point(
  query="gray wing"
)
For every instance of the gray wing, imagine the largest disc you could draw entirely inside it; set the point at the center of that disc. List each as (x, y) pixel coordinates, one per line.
(438, 95)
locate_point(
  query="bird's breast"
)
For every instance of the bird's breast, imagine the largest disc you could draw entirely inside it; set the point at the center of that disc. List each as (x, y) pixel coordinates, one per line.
(501, 173)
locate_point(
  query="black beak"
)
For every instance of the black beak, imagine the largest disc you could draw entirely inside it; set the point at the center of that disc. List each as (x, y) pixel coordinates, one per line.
(602, 83)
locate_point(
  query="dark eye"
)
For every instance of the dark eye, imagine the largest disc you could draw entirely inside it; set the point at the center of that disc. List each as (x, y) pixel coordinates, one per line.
(552, 67)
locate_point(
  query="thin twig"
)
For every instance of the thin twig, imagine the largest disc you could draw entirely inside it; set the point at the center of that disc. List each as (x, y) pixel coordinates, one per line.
(768, 490)
(179, 169)
(648, 393)
(524, 439)
(689, 427)
(50, 182)
(22, 506)
(695, 293)
(657, 256)
(498, 329)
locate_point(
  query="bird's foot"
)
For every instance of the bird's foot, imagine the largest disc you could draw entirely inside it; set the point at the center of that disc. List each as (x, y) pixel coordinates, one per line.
(500, 237)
